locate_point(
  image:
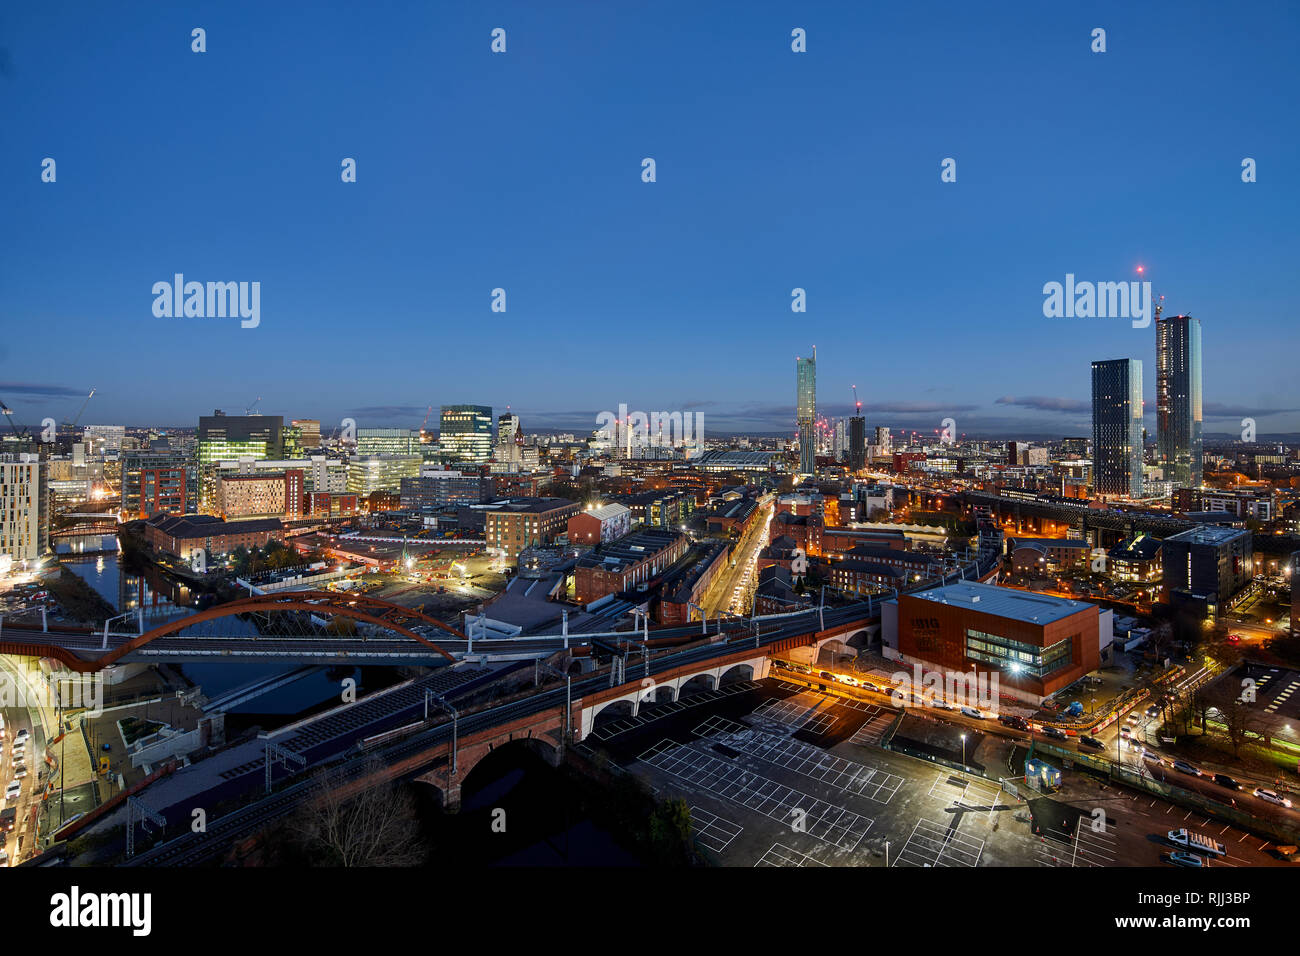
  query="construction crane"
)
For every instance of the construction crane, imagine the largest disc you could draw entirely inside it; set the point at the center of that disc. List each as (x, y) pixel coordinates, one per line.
(81, 411)
(21, 433)
(856, 401)
(252, 409)
(427, 413)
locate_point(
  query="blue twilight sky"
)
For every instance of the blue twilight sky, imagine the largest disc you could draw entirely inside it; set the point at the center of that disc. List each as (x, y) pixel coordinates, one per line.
(522, 171)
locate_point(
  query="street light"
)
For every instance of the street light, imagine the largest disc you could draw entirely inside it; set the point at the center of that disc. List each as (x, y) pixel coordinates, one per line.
(963, 750)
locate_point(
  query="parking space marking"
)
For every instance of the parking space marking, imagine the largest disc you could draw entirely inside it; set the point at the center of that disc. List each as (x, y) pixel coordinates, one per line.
(811, 761)
(933, 844)
(822, 820)
(965, 791)
(782, 855)
(717, 725)
(713, 831)
(793, 714)
(873, 731)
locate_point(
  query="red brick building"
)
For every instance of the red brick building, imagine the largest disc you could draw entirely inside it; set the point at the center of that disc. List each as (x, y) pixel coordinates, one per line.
(1036, 644)
(620, 565)
(182, 535)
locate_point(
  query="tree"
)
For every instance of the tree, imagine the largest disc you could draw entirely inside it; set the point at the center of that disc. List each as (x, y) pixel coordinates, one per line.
(670, 832)
(376, 827)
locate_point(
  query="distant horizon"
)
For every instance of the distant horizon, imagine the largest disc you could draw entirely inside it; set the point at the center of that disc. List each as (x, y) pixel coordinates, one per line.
(1262, 438)
(499, 237)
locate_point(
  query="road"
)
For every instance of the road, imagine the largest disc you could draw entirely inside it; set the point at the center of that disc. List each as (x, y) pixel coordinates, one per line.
(729, 588)
(21, 746)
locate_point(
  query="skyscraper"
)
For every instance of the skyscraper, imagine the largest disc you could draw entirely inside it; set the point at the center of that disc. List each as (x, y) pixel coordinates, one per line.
(857, 442)
(508, 431)
(806, 411)
(223, 436)
(1117, 427)
(465, 433)
(1178, 399)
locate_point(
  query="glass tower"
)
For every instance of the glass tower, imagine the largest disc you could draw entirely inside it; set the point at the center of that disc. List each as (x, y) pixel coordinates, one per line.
(1117, 427)
(465, 433)
(1178, 399)
(806, 411)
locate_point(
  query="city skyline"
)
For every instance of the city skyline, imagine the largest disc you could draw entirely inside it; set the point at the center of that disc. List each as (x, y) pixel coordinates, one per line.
(372, 283)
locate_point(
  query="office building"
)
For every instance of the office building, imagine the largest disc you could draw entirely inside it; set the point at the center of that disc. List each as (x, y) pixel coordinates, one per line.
(806, 411)
(103, 439)
(1178, 399)
(368, 474)
(223, 436)
(308, 431)
(388, 441)
(465, 433)
(1035, 644)
(1207, 565)
(857, 443)
(1117, 427)
(434, 489)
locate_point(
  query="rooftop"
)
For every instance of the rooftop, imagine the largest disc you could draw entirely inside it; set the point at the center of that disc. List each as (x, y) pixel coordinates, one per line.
(530, 505)
(1211, 534)
(1004, 602)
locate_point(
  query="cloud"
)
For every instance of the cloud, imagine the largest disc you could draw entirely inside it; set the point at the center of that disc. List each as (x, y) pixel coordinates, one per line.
(43, 391)
(1042, 403)
(1223, 410)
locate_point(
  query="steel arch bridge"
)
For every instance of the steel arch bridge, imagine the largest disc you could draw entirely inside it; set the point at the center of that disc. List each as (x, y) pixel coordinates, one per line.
(360, 608)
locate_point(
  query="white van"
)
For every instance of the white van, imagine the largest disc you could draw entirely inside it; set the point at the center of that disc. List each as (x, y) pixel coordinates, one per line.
(1199, 842)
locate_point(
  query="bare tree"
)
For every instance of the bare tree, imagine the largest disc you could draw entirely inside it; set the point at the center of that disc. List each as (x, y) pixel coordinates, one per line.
(376, 827)
(1237, 717)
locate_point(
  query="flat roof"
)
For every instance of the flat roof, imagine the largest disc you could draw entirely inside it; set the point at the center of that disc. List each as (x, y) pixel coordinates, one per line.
(1004, 602)
(1208, 534)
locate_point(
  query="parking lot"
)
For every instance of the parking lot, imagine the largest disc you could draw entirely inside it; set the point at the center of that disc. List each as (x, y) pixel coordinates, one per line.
(777, 775)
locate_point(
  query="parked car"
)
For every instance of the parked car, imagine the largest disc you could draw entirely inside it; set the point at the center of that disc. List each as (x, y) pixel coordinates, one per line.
(13, 790)
(1183, 858)
(1182, 766)
(1273, 797)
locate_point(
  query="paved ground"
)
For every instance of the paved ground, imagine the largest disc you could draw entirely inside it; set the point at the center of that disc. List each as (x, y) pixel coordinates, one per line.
(778, 775)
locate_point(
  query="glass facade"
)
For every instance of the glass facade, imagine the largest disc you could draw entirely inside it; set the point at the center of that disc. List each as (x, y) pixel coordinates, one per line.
(1178, 399)
(1117, 427)
(1016, 657)
(806, 410)
(465, 433)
